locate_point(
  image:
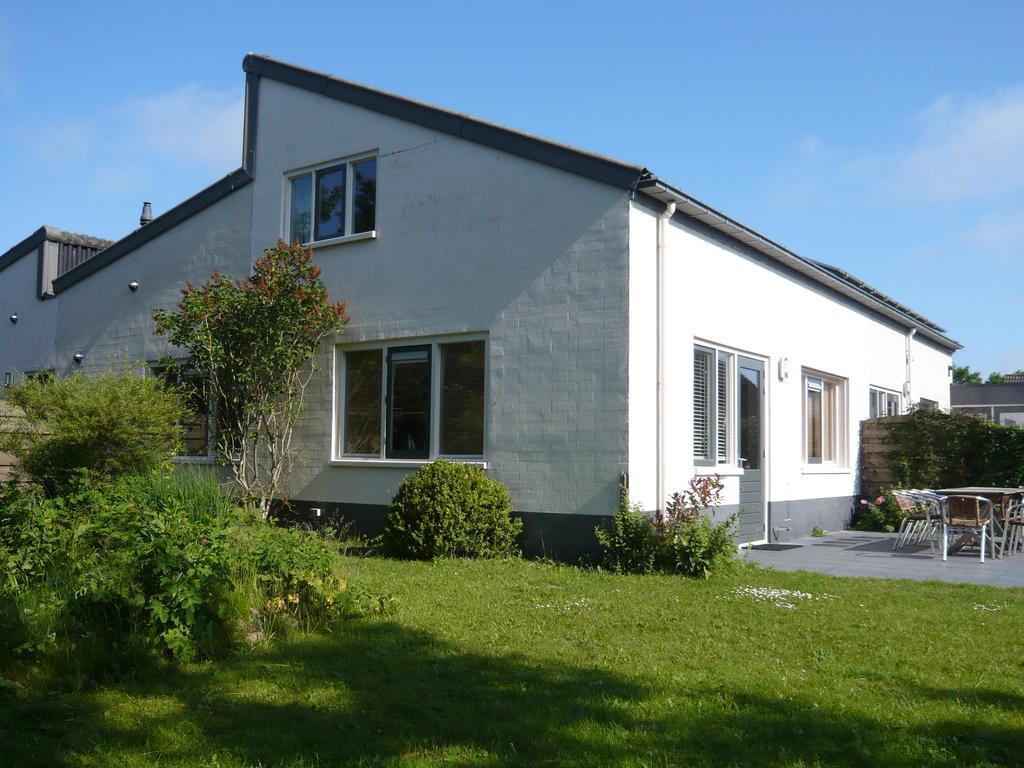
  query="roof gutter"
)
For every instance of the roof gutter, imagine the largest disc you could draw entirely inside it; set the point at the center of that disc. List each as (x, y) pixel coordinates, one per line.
(658, 190)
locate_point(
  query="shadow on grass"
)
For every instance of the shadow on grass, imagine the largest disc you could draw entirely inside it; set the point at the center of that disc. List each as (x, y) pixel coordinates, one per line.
(381, 693)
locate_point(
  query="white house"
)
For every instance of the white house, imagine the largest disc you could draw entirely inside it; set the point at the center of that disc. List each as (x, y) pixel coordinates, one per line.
(567, 321)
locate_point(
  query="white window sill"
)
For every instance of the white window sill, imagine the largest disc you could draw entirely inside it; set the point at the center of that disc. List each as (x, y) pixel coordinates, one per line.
(825, 469)
(353, 461)
(371, 235)
(194, 459)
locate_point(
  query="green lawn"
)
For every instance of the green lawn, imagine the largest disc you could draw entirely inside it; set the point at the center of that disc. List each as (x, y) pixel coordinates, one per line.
(519, 663)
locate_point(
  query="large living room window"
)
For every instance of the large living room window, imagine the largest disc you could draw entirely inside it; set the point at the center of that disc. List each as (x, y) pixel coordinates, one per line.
(824, 419)
(713, 397)
(413, 401)
(332, 201)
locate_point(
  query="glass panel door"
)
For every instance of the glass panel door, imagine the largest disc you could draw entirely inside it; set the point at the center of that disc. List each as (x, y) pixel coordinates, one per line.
(408, 403)
(752, 517)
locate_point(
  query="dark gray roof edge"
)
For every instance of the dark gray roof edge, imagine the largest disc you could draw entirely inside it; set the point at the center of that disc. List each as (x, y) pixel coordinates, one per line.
(158, 226)
(813, 269)
(27, 245)
(578, 161)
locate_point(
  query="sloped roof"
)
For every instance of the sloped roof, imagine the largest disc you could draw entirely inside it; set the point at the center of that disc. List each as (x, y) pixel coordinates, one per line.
(637, 179)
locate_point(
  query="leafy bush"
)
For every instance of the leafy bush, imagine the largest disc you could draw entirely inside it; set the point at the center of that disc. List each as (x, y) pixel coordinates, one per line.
(451, 509)
(158, 567)
(684, 541)
(934, 449)
(880, 514)
(106, 424)
(630, 540)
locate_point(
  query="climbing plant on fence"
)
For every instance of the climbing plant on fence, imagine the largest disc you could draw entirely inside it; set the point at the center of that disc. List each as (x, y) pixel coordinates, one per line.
(933, 449)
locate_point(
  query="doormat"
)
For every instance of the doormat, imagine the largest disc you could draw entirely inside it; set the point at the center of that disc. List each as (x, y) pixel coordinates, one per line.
(776, 547)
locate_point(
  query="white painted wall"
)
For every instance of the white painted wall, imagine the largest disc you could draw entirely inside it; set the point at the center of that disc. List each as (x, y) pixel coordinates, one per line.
(27, 345)
(471, 239)
(717, 294)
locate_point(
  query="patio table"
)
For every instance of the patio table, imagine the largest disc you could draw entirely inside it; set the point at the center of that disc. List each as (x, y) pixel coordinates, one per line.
(1000, 497)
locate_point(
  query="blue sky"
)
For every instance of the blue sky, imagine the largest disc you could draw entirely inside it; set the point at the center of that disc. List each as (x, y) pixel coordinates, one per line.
(887, 139)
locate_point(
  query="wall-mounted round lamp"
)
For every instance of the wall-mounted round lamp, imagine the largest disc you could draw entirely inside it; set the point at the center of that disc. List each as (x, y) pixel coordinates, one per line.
(133, 286)
(78, 357)
(13, 318)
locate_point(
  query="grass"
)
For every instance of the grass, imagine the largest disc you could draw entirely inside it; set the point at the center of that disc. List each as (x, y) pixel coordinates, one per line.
(520, 663)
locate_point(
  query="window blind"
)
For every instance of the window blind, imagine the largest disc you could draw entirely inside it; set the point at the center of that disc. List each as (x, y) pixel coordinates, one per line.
(363, 372)
(722, 410)
(462, 399)
(701, 404)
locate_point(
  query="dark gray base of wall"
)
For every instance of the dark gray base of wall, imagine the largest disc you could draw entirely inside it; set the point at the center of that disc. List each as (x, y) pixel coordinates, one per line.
(564, 537)
(571, 537)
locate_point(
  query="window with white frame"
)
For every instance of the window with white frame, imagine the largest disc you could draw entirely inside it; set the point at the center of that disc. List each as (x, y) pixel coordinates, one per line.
(333, 200)
(824, 419)
(884, 403)
(713, 398)
(413, 401)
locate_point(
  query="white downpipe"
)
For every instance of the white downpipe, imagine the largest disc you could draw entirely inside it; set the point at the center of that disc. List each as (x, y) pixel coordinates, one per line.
(666, 215)
(910, 356)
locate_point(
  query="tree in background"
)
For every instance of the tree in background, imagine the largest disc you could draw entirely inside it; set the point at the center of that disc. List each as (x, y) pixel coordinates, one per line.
(255, 339)
(994, 378)
(962, 374)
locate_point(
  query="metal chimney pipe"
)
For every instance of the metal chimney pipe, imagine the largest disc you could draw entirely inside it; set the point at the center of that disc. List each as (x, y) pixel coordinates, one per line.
(147, 214)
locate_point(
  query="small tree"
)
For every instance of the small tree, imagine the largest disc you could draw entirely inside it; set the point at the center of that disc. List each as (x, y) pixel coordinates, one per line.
(256, 339)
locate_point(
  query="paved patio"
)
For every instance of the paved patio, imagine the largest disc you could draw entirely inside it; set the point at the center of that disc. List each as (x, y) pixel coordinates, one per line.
(853, 553)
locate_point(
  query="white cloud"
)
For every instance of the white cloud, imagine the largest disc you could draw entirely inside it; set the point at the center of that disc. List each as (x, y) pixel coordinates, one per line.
(966, 149)
(60, 142)
(1000, 233)
(190, 123)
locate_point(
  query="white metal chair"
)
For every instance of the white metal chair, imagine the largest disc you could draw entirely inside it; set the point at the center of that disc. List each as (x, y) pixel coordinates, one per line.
(1013, 530)
(921, 516)
(965, 516)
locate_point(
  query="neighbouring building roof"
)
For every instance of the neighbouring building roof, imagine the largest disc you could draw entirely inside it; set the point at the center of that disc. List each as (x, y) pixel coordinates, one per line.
(1009, 393)
(74, 249)
(1013, 378)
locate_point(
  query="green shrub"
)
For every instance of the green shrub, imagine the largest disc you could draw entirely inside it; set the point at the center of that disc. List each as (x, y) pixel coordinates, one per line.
(158, 567)
(451, 509)
(935, 449)
(880, 514)
(630, 540)
(105, 425)
(701, 547)
(685, 541)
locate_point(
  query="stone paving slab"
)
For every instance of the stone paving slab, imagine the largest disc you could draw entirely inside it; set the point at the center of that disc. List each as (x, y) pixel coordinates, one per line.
(856, 553)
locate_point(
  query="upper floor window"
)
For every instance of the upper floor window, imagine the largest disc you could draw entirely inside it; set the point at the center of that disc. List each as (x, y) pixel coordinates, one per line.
(333, 201)
(884, 403)
(824, 419)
